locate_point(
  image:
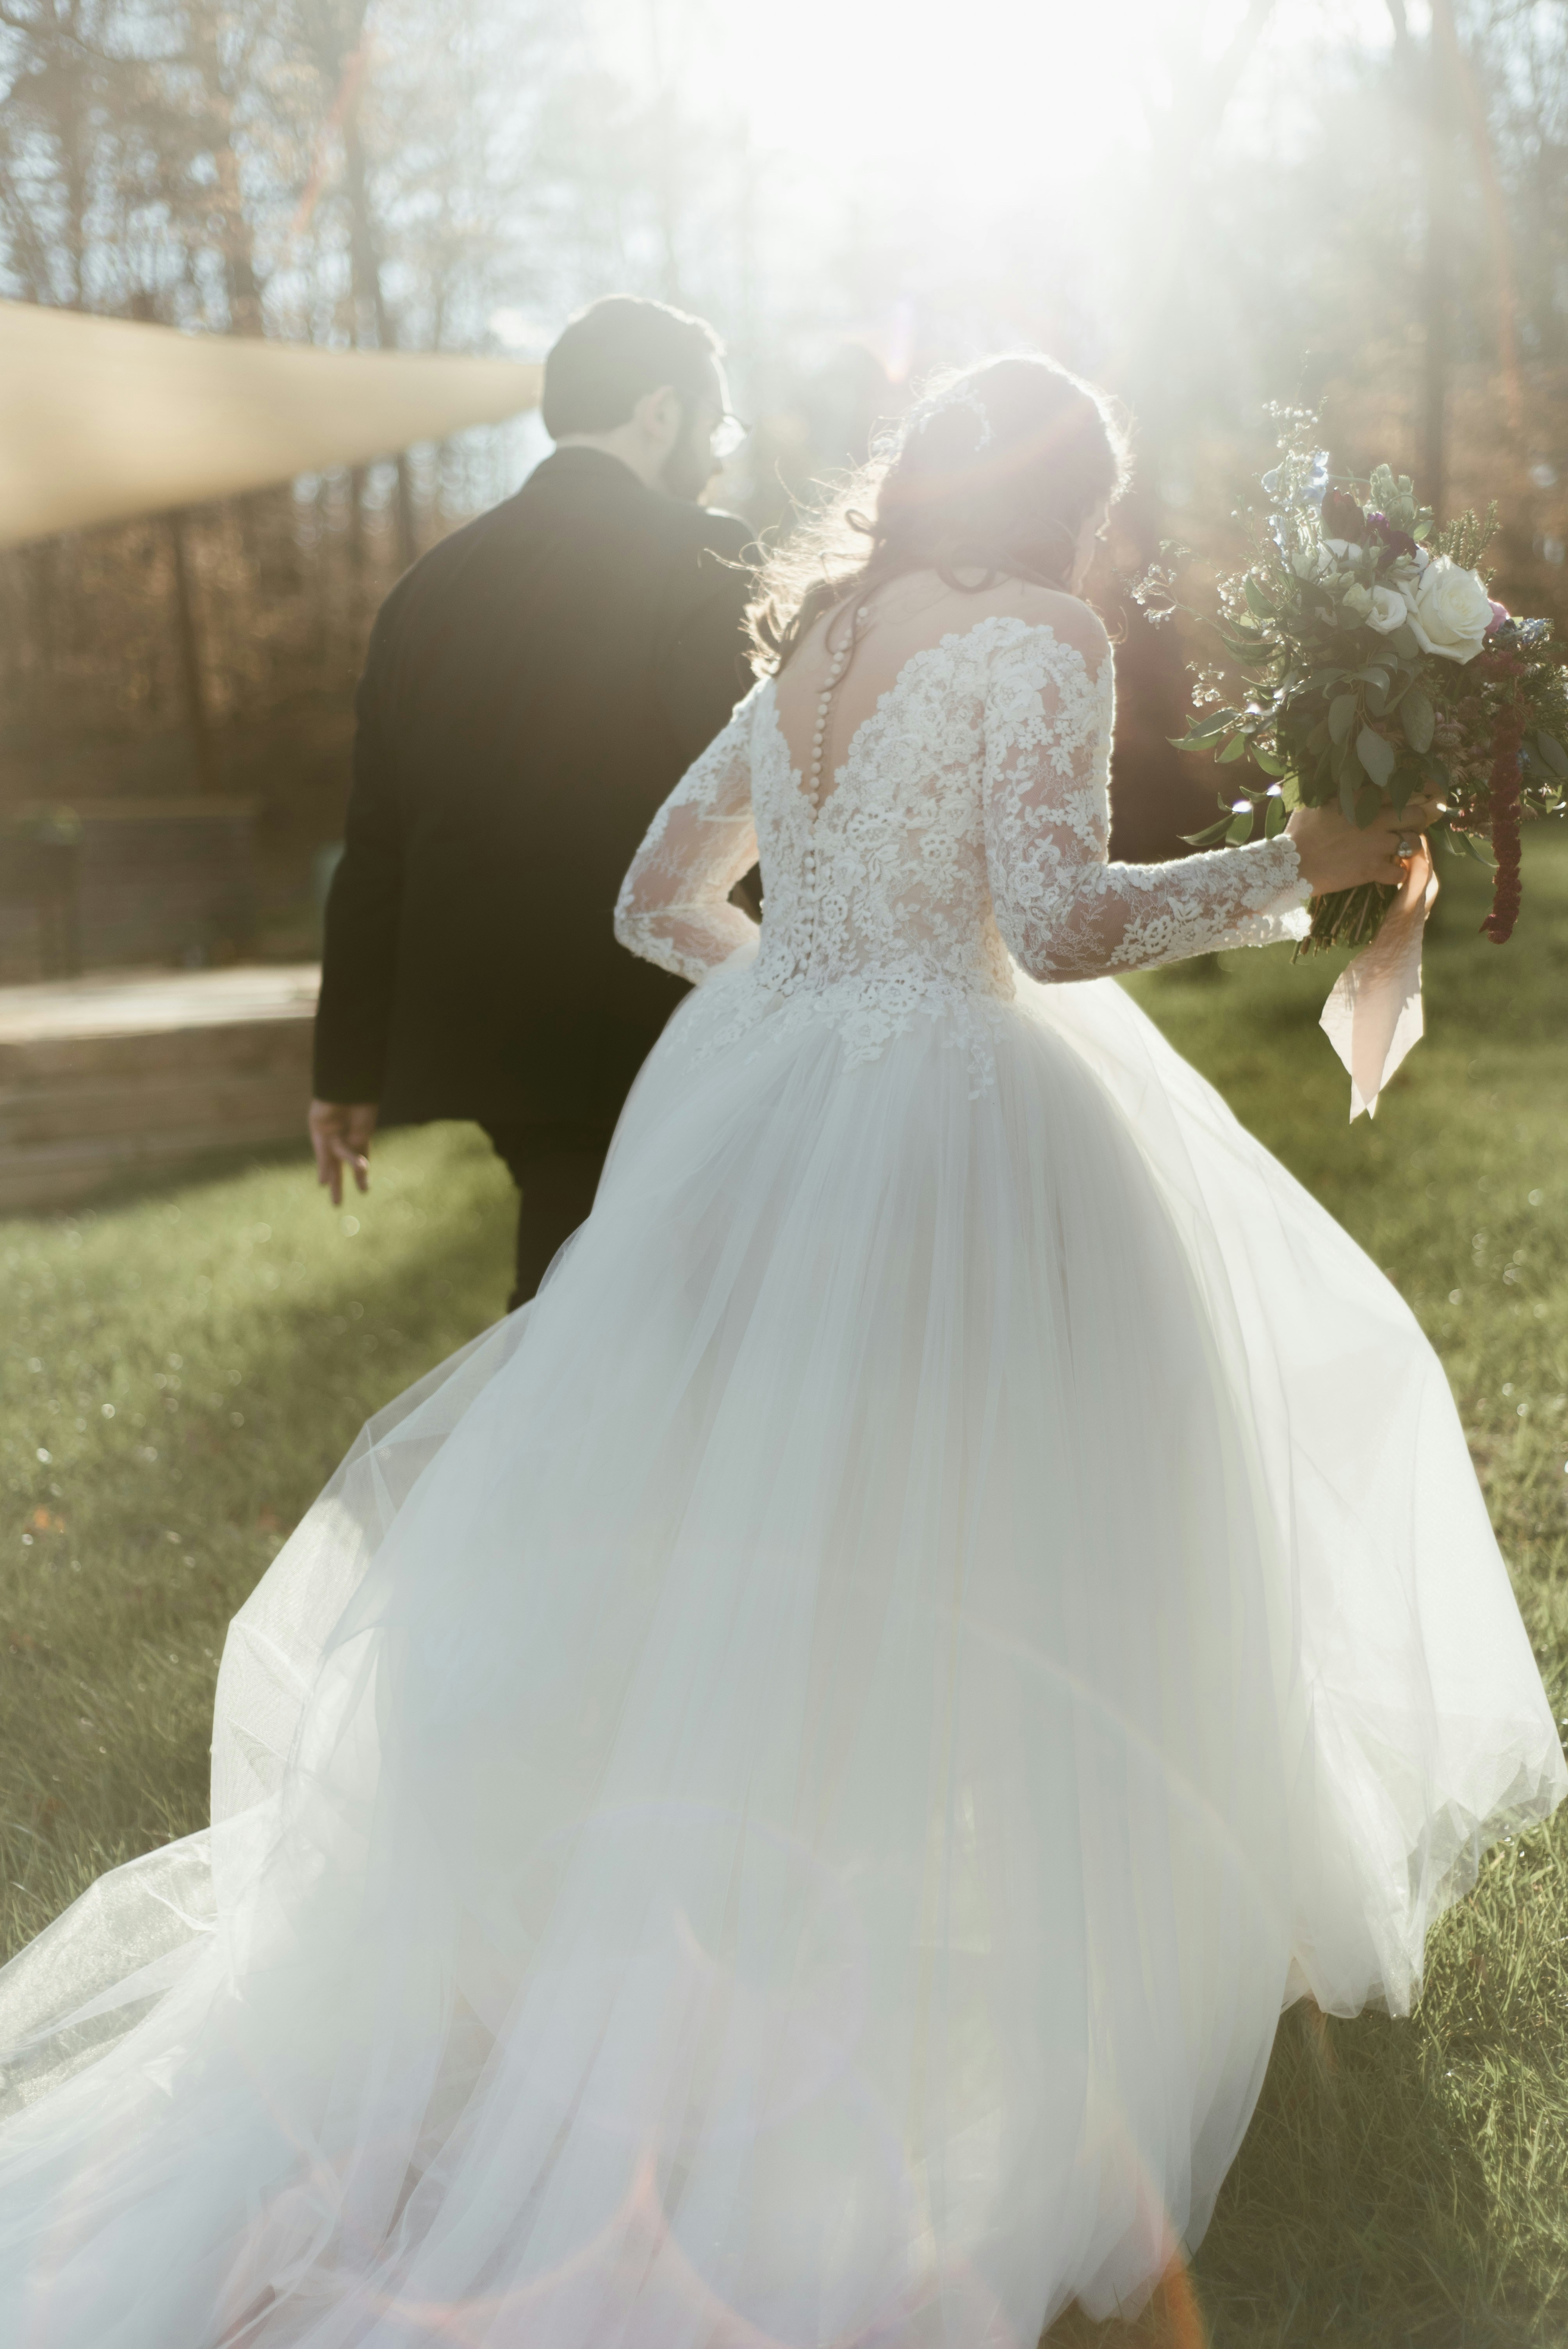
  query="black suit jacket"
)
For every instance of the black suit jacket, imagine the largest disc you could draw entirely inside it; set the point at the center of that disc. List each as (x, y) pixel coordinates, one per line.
(535, 687)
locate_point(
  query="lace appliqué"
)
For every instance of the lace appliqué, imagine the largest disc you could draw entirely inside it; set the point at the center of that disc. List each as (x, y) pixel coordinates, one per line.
(971, 815)
(1065, 910)
(895, 925)
(865, 1013)
(674, 908)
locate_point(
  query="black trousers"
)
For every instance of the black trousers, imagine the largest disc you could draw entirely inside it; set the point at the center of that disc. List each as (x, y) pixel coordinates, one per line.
(556, 1168)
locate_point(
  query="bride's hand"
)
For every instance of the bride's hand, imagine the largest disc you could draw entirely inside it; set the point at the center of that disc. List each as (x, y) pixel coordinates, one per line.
(1334, 855)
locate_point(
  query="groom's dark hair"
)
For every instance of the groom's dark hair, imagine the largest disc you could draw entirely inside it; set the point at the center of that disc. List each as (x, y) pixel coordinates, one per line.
(616, 350)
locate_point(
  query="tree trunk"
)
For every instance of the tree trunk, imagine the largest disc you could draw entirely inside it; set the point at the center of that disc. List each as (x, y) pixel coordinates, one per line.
(366, 277)
(1436, 297)
(197, 716)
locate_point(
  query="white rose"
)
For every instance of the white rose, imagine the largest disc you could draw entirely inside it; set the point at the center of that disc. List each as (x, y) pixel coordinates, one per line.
(1387, 612)
(1450, 610)
(1311, 561)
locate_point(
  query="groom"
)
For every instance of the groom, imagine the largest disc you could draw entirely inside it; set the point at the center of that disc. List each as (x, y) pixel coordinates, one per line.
(535, 686)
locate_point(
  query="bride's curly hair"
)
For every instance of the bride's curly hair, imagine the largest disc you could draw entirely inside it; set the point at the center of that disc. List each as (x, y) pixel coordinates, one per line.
(991, 475)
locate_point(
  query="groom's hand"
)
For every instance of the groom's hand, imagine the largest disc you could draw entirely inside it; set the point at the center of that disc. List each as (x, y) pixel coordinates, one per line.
(340, 1135)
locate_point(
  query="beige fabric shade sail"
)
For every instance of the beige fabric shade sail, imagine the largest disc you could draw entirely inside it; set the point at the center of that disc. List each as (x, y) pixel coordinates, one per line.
(101, 420)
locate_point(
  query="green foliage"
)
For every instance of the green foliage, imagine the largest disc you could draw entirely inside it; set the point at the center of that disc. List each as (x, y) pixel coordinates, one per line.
(1418, 719)
(1336, 709)
(1376, 753)
(1464, 542)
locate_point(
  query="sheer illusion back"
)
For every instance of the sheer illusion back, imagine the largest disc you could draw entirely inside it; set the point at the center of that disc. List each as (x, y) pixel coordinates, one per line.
(904, 618)
(967, 824)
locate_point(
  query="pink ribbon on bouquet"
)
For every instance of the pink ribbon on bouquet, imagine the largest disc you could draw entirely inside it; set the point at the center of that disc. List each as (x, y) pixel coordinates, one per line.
(1372, 1014)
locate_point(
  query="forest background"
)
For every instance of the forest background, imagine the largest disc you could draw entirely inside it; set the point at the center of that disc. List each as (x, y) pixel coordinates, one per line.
(1206, 205)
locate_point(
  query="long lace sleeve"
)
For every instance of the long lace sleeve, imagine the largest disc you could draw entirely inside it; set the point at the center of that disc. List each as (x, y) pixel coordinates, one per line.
(1063, 908)
(674, 906)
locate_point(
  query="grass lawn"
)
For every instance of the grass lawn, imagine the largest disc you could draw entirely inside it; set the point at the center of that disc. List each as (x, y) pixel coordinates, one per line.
(182, 1371)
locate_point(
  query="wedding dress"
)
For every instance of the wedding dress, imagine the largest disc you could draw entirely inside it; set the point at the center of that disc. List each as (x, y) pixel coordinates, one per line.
(778, 1798)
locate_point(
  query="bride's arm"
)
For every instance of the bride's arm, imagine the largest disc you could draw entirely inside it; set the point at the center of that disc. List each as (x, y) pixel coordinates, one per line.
(1063, 908)
(673, 906)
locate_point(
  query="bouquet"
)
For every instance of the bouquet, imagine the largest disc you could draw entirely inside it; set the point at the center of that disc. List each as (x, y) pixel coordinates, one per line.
(1364, 659)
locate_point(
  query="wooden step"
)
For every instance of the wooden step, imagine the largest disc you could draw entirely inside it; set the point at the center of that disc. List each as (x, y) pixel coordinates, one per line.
(142, 1072)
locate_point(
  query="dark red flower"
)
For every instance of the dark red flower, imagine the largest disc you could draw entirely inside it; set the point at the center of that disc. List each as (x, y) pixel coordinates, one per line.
(1342, 517)
(1397, 541)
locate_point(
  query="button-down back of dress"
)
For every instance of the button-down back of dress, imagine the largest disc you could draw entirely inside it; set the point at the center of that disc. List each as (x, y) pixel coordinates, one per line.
(853, 655)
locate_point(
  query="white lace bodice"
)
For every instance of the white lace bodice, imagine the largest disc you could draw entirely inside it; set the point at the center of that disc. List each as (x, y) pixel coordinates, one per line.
(968, 827)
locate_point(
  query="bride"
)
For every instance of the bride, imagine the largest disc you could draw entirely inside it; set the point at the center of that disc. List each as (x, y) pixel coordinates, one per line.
(776, 1799)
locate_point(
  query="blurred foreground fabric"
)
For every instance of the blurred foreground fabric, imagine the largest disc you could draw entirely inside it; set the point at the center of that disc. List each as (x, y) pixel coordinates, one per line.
(101, 419)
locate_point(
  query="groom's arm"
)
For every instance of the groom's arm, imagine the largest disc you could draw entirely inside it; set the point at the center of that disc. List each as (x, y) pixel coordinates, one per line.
(359, 957)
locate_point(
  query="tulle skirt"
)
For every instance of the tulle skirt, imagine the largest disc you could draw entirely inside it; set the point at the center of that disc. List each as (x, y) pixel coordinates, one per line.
(777, 1799)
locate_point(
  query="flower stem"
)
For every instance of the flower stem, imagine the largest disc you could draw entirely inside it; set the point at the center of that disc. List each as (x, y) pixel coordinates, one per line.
(1505, 813)
(1347, 917)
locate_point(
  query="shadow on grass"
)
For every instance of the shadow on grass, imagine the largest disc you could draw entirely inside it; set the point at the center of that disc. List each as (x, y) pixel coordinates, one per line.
(1359, 2212)
(132, 1185)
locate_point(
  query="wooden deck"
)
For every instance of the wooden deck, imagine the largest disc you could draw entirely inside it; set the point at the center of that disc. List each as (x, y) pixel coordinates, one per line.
(142, 1071)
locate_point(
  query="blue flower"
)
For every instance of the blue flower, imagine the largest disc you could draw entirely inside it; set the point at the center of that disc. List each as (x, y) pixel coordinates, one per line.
(1313, 489)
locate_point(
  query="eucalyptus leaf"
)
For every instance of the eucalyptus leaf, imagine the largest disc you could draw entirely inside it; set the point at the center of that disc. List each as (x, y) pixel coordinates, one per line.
(1418, 719)
(1275, 817)
(1233, 748)
(1213, 724)
(1552, 752)
(1206, 839)
(1368, 800)
(1257, 601)
(1341, 717)
(1347, 792)
(1240, 827)
(1376, 754)
(1266, 760)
